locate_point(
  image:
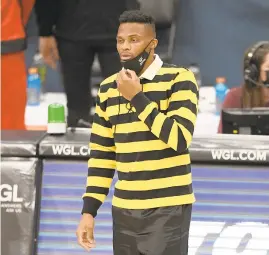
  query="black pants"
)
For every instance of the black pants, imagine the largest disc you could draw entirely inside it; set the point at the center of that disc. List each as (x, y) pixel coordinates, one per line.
(76, 63)
(160, 231)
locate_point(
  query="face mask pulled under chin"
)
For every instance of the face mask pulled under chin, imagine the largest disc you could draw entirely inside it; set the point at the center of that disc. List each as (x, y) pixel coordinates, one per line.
(136, 64)
(266, 82)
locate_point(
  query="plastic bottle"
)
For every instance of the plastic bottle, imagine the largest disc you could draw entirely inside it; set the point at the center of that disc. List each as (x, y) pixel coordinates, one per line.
(42, 71)
(221, 91)
(33, 87)
(197, 73)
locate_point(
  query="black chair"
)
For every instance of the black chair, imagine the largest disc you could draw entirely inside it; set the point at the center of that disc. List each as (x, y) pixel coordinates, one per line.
(164, 13)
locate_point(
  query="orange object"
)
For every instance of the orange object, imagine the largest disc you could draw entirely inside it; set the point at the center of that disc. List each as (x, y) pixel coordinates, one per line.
(220, 80)
(13, 91)
(14, 16)
(33, 70)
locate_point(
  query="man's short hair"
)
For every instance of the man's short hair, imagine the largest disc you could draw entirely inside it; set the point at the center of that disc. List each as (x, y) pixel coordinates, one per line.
(136, 16)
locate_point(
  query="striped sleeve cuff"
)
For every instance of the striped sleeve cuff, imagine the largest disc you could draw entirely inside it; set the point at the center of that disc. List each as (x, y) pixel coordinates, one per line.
(91, 206)
(140, 102)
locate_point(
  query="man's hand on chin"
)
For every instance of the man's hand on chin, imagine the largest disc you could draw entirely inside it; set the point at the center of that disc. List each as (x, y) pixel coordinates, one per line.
(128, 84)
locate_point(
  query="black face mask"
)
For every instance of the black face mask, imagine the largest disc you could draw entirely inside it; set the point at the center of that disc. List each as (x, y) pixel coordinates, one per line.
(266, 82)
(137, 64)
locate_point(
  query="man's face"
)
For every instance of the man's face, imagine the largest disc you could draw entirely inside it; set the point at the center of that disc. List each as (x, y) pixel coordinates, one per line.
(133, 38)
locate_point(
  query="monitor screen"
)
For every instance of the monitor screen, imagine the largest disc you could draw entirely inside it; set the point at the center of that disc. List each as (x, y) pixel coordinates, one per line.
(253, 121)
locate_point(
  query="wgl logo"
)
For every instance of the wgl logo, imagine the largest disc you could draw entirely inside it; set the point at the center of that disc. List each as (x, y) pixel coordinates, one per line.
(10, 193)
(243, 155)
(69, 150)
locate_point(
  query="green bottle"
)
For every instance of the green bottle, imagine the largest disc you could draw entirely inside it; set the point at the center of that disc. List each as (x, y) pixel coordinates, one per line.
(56, 119)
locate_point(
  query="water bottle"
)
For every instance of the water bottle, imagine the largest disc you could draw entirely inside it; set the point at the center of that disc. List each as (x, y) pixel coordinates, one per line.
(197, 73)
(221, 91)
(42, 70)
(33, 87)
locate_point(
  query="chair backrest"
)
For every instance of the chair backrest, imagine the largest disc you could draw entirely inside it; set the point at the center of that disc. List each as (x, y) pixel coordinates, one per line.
(164, 12)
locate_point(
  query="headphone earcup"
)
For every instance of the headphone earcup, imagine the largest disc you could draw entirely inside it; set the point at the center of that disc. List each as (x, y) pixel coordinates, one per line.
(254, 72)
(251, 76)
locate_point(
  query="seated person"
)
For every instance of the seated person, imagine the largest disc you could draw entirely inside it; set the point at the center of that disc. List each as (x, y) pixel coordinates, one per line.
(255, 91)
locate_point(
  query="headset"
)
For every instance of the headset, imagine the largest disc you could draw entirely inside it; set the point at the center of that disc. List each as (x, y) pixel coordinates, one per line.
(251, 67)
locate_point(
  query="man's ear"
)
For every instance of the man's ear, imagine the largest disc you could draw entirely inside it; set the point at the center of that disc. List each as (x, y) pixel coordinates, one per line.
(154, 44)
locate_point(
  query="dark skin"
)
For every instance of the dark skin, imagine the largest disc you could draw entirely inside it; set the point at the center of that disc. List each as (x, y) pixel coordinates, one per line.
(132, 39)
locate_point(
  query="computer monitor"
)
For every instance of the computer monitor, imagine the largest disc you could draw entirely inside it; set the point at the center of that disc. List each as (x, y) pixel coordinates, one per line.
(253, 121)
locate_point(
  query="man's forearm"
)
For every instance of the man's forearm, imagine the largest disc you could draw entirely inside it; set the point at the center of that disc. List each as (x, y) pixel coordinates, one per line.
(102, 162)
(46, 16)
(176, 127)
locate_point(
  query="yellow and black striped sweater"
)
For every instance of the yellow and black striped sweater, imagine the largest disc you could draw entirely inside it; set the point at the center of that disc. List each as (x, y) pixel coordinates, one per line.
(148, 146)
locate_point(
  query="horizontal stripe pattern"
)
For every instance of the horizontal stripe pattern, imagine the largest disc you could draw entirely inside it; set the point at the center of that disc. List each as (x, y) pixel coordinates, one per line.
(154, 165)
(153, 202)
(160, 183)
(145, 175)
(100, 172)
(128, 137)
(147, 145)
(154, 193)
(97, 190)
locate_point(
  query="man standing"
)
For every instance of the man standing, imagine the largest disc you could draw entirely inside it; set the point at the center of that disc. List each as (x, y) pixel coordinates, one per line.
(14, 17)
(143, 127)
(75, 31)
